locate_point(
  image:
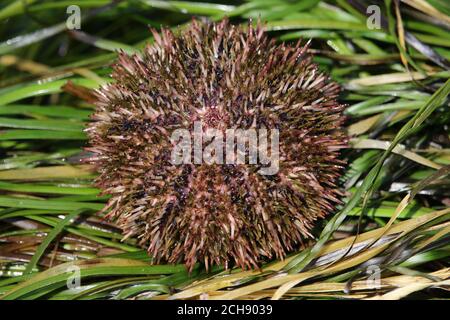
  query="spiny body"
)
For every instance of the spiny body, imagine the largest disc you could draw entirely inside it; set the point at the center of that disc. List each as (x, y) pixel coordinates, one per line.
(224, 76)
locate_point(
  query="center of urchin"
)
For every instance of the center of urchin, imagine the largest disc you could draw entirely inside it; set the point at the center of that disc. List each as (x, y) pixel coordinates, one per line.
(224, 77)
(214, 116)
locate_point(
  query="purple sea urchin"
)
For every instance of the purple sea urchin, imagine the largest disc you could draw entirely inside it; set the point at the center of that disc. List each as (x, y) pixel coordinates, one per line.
(222, 76)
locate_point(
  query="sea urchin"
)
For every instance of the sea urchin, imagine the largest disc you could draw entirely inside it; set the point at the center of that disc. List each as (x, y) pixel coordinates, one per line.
(221, 77)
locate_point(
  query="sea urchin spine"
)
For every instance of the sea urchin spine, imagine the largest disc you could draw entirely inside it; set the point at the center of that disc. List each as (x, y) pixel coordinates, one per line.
(221, 76)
